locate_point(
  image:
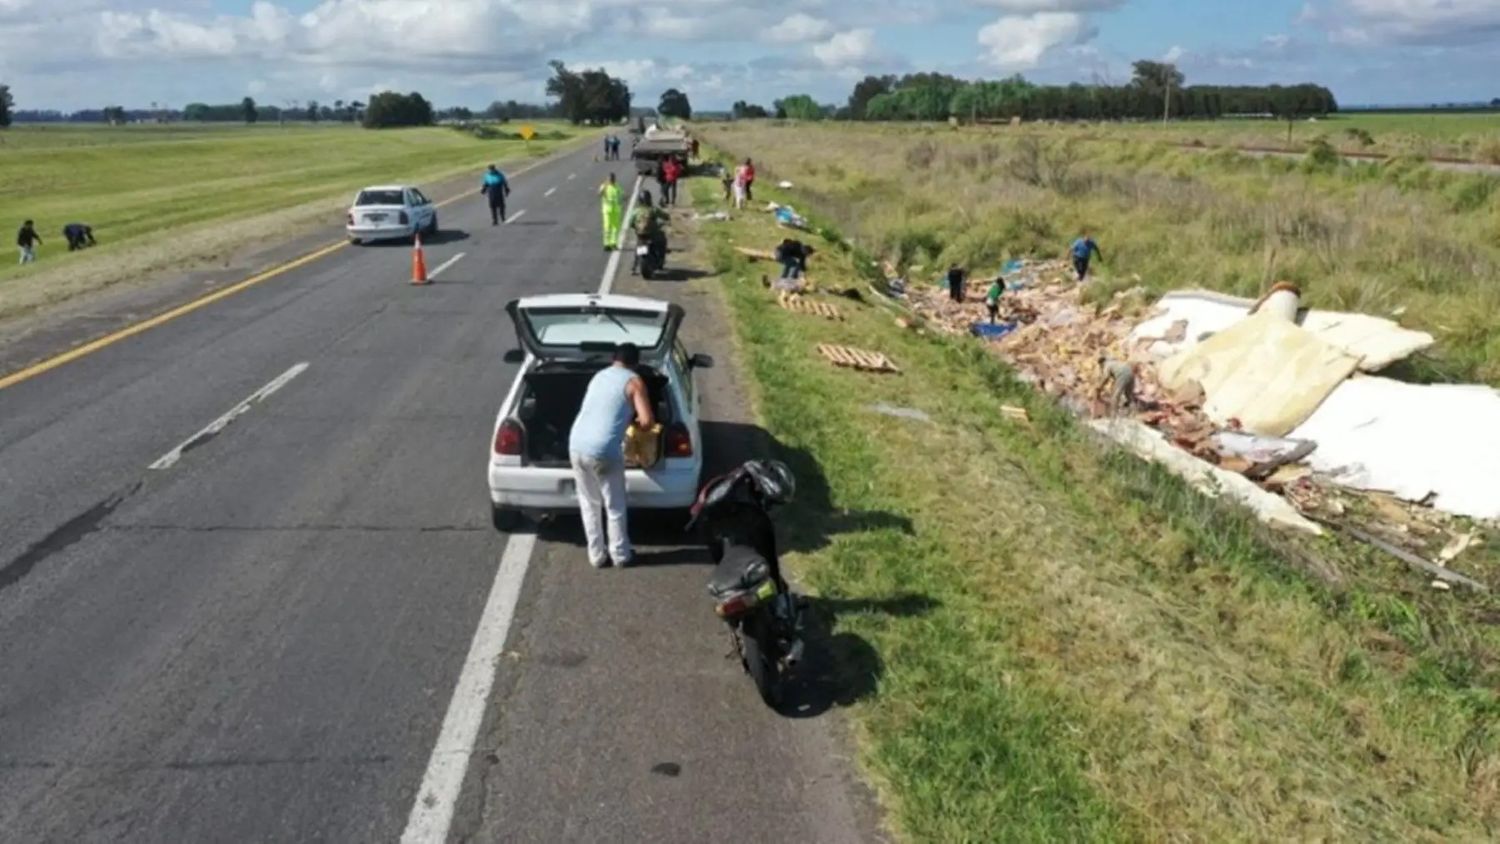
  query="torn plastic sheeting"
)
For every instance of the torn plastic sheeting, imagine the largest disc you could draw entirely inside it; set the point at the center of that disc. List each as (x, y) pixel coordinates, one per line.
(1205, 477)
(1412, 441)
(1268, 374)
(1376, 342)
(1268, 451)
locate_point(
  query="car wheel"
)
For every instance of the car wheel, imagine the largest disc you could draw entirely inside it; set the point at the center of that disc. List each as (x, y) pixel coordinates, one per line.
(505, 519)
(355, 241)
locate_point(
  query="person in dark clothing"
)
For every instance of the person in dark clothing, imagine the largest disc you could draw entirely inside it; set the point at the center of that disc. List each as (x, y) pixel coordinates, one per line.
(1084, 249)
(793, 255)
(497, 188)
(28, 240)
(956, 279)
(79, 236)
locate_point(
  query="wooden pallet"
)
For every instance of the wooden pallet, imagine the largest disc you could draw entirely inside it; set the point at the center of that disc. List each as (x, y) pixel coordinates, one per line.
(803, 305)
(857, 358)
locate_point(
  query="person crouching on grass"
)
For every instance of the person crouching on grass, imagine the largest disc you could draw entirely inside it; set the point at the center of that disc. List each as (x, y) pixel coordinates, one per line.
(79, 236)
(596, 446)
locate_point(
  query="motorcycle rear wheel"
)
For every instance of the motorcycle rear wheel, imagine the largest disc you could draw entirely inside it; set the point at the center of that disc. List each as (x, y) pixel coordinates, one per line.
(760, 664)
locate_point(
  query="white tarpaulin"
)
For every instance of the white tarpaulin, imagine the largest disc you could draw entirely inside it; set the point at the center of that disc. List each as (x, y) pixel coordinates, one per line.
(1412, 441)
(1375, 342)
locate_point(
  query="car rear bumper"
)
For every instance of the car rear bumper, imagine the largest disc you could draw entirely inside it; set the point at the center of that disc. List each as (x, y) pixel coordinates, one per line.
(551, 490)
(379, 232)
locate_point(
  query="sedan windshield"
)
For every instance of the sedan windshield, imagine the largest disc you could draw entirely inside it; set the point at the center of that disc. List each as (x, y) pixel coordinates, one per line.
(380, 197)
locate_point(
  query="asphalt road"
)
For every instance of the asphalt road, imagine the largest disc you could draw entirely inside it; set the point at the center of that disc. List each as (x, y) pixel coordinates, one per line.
(255, 630)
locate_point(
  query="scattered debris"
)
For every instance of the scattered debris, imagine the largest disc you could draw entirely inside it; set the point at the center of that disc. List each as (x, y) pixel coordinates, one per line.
(1460, 544)
(715, 217)
(803, 305)
(1442, 573)
(1015, 414)
(860, 359)
(784, 185)
(756, 254)
(901, 412)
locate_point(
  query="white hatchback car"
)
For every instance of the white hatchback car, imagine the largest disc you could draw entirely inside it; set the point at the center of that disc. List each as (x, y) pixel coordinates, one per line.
(566, 339)
(387, 212)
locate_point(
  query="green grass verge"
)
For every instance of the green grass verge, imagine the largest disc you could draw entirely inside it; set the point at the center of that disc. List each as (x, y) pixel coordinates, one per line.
(145, 186)
(1105, 654)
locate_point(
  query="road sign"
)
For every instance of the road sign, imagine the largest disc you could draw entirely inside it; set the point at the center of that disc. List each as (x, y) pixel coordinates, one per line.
(527, 133)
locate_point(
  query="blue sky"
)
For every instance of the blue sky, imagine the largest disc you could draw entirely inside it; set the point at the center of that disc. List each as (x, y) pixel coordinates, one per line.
(89, 53)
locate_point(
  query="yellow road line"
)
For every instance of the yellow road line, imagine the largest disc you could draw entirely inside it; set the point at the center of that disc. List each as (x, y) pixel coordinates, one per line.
(146, 325)
(203, 301)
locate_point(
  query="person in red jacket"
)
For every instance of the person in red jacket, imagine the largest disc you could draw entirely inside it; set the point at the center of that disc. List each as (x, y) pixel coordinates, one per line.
(671, 172)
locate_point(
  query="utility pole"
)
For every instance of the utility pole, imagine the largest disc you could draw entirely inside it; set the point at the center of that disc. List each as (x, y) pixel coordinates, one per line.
(1166, 106)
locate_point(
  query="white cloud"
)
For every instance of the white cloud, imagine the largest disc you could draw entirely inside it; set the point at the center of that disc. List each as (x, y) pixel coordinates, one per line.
(1415, 22)
(1032, 7)
(846, 49)
(1174, 54)
(1018, 42)
(798, 28)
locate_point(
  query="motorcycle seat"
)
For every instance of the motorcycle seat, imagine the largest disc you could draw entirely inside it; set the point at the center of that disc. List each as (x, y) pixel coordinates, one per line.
(741, 570)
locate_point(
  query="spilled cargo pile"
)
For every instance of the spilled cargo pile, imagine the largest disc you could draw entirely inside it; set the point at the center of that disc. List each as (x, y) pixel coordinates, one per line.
(1266, 402)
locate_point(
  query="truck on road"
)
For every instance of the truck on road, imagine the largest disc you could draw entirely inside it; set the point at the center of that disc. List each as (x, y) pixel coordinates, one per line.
(656, 146)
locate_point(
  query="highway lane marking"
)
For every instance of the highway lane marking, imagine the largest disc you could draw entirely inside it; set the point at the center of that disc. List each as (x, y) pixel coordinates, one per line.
(516, 216)
(572, 176)
(186, 308)
(446, 264)
(432, 812)
(612, 268)
(168, 460)
(550, 191)
(431, 817)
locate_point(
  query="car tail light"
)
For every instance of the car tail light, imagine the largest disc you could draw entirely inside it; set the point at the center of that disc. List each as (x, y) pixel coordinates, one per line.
(351, 218)
(509, 439)
(679, 441)
(404, 219)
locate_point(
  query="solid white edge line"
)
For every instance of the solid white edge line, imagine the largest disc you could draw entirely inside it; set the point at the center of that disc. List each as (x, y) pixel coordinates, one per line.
(432, 810)
(550, 191)
(572, 176)
(446, 264)
(516, 216)
(612, 268)
(168, 460)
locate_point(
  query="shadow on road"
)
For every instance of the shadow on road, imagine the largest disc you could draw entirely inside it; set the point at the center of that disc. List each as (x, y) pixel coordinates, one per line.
(840, 669)
(444, 236)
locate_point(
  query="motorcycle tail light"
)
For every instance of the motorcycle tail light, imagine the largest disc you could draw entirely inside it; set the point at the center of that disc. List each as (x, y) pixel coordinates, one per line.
(737, 605)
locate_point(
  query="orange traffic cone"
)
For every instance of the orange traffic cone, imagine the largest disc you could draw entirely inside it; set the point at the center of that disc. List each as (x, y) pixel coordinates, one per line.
(418, 263)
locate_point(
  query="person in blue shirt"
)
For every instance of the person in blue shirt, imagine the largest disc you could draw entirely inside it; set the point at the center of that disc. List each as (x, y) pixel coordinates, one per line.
(615, 397)
(1084, 249)
(497, 189)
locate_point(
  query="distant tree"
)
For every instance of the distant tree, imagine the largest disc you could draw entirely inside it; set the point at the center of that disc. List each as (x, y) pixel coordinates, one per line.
(389, 109)
(7, 105)
(248, 110)
(1161, 81)
(674, 103)
(742, 110)
(356, 111)
(338, 108)
(868, 89)
(1495, 103)
(312, 111)
(590, 96)
(799, 107)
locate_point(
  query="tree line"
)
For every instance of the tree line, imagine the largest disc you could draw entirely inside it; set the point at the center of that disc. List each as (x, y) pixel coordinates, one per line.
(1157, 90)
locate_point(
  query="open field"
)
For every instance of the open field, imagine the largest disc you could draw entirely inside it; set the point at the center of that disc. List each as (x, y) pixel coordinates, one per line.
(1391, 239)
(160, 197)
(1470, 137)
(1093, 651)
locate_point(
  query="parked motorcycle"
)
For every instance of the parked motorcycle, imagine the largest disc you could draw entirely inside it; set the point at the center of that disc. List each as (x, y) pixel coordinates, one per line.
(764, 617)
(651, 256)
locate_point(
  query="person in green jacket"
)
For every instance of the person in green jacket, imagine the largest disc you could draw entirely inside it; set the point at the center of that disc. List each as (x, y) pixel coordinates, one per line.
(609, 208)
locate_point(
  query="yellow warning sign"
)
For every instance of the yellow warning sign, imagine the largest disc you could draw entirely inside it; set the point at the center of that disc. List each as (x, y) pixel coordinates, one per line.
(527, 133)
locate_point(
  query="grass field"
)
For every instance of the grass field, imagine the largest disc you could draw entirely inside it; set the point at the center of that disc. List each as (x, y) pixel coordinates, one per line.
(1397, 238)
(158, 197)
(1472, 137)
(1102, 653)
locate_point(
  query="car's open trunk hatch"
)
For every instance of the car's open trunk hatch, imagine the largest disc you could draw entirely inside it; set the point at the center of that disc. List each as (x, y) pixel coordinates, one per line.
(550, 399)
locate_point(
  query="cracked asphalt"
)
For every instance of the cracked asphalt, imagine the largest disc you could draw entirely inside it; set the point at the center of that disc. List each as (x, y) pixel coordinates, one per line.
(260, 641)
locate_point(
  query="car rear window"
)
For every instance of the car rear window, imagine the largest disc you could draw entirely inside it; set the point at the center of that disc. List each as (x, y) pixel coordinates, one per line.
(380, 197)
(569, 327)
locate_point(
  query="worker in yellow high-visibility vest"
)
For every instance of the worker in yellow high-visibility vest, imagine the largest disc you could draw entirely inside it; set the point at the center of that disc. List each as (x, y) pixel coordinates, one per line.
(610, 210)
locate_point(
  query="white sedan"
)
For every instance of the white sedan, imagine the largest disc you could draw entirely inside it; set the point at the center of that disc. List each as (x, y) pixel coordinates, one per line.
(565, 340)
(387, 212)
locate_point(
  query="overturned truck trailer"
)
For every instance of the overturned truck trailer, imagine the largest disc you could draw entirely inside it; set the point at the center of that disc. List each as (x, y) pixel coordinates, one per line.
(658, 146)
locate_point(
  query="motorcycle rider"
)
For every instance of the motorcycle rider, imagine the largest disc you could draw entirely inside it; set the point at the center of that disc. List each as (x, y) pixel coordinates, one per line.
(649, 222)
